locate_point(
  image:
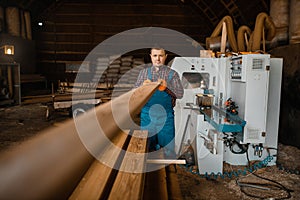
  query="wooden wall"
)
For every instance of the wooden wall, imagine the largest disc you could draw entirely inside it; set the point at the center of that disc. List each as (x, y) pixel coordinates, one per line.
(73, 28)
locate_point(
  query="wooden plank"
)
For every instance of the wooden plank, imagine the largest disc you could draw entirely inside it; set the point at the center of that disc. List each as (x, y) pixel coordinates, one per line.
(112, 9)
(62, 97)
(128, 20)
(174, 191)
(61, 28)
(156, 185)
(97, 178)
(67, 37)
(45, 56)
(67, 46)
(62, 145)
(165, 161)
(129, 183)
(156, 181)
(73, 28)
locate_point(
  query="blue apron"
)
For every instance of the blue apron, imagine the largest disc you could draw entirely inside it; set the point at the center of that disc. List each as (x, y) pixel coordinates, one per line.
(157, 116)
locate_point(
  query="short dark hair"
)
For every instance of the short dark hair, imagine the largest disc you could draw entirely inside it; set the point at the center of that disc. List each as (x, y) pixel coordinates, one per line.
(158, 48)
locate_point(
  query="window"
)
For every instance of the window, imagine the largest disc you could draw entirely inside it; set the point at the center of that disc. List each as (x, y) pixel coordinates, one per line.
(192, 80)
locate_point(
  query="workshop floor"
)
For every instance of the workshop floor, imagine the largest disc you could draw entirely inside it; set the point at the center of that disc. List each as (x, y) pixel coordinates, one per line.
(21, 122)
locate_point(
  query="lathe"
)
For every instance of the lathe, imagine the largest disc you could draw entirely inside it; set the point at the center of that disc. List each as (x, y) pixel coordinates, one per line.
(230, 109)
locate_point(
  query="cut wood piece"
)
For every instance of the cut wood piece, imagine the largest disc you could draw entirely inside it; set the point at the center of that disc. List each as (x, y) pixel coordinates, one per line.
(129, 183)
(166, 161)
(99, 177)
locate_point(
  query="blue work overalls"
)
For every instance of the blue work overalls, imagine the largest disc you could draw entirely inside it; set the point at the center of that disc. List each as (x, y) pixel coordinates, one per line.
(157, 116)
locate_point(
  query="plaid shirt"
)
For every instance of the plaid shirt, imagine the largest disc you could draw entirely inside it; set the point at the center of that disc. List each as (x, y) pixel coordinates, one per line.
(174, 86)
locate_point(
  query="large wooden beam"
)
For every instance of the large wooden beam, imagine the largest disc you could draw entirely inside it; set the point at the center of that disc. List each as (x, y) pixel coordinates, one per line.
(50, 165)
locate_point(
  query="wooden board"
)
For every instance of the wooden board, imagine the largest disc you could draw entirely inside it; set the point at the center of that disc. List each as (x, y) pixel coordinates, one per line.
(174, 191)
(129, 183)
(156, 185)
(97, 178)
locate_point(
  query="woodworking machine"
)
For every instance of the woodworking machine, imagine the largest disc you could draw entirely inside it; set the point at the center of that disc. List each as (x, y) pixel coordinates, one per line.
(230, 109)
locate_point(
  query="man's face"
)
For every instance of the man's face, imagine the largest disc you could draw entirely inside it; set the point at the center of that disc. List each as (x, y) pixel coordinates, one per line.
(158, 57)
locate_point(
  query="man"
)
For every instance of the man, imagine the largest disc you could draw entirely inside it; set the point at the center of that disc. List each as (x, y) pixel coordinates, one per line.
(157, 116)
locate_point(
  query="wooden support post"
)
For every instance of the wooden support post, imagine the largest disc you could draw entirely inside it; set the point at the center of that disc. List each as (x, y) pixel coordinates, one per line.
(10, 81)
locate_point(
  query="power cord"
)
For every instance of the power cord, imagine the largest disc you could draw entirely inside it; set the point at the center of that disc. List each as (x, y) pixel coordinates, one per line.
(243, 185)
(274, 185)
(230, 174)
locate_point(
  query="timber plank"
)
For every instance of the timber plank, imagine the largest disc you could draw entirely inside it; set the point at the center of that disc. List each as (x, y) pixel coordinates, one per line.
(96, 180)
(174, 191)
(129, 183)
(156, 185)
(156, 181)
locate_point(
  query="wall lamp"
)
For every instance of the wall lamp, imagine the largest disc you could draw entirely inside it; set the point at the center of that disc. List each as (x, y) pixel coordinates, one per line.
(8, 49)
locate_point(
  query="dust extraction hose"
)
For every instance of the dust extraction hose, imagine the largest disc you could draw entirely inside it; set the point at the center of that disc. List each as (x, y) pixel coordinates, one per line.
(241, 37)
(262, 21)
(230, 31)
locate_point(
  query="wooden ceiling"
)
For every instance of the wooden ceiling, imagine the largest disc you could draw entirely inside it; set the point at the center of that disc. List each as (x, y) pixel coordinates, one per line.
(72, 28)
(242, 12)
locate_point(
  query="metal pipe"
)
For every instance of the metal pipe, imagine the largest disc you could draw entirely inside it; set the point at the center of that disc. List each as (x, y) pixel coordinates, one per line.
(50, 165)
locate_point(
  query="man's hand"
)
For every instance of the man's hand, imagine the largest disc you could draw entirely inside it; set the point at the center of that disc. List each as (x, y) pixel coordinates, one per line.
(163, 84)
(146, 82)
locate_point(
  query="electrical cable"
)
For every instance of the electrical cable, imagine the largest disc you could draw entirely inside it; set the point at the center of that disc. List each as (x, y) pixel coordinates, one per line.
(231, 174)
(263, 186)
(266, 187)
(251, 169)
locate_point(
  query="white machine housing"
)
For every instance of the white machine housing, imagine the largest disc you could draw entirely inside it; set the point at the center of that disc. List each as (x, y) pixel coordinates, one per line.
(215, 77)
(253, 81)
(250, 86)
